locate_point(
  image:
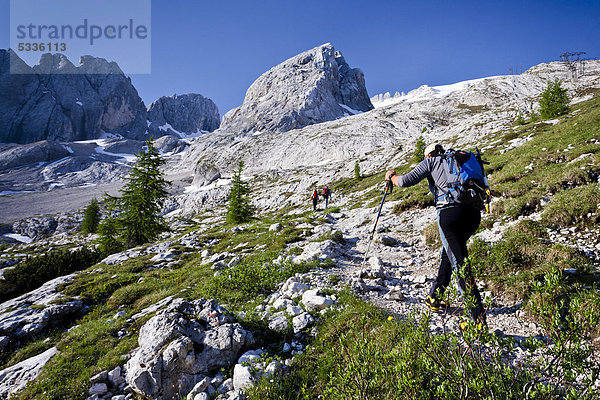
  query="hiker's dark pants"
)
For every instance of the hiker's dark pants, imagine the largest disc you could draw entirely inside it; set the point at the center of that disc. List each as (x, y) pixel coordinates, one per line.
(314, 204)
(457, 224)
(326, 201)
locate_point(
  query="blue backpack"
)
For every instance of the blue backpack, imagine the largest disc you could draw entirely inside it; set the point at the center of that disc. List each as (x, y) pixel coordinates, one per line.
(467, 183)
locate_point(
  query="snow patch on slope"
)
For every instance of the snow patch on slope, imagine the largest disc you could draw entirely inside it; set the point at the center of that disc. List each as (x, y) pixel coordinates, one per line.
(424, 92)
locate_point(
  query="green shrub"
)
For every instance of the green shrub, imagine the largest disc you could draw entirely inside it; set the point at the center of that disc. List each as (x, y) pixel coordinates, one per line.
(567, 319)
(534, 117)
(257, 277)
(520, 120)
(33, 272)
(362, 353)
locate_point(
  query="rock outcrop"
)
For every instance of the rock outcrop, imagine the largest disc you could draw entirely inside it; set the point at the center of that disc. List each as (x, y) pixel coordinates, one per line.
(312, 87)
(36, 311)
(16, 377)
(44, 151)
(183, 115)
(56, 100)
(170, 144)
(181, 346)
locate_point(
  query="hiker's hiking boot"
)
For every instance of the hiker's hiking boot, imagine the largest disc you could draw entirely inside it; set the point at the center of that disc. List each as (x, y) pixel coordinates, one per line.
(434, 304)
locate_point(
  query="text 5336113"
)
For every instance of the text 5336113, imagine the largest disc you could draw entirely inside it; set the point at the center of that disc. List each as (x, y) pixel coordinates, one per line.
(42, 46)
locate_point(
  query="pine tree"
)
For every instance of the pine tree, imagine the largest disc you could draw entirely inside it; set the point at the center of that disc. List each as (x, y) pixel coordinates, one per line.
(110, 241)
(418, 156)
(356, 170)
(91, 217)
(240, 209)
(554, 101)
(138, 219)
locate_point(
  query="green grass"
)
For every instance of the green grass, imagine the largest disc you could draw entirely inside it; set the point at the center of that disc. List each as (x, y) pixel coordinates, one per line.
(84, 351)
(513, 264)
(362, 353)
(579, 206)
(542, 166)
(432, 235)
(93, 346)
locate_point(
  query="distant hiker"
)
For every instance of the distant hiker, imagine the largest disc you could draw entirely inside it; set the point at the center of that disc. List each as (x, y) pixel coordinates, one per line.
(457, 221)
(326, 195)
(315, 199)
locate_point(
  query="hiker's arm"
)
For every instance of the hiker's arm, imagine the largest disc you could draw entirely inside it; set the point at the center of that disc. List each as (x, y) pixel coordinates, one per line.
(420, 172)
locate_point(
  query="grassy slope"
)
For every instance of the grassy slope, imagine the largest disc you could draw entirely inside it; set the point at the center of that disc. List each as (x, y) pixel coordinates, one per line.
(359, 352)
(94, 345)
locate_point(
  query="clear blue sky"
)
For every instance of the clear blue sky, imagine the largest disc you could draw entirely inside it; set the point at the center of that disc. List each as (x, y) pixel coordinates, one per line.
(218, 48)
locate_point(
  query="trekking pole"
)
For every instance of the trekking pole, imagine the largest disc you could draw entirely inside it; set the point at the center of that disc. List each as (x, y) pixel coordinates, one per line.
(388, 189)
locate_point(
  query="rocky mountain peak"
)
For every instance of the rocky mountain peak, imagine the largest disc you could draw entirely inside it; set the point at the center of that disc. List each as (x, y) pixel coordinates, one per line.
(96, 65)
(55, 100)
(315, 86)
(183, 115)
(54, 64)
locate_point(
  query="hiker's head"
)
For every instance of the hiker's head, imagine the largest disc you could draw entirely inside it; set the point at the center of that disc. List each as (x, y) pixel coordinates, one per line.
(434, 149)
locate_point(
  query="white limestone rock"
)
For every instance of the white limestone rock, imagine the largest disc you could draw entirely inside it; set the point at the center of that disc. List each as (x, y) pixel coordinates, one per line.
(313, 301)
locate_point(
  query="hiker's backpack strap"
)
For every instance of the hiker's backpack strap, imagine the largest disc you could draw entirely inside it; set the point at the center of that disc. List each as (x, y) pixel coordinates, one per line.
(451, 171)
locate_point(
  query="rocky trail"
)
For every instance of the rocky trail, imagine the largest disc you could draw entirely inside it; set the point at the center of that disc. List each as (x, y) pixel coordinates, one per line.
(401, 268)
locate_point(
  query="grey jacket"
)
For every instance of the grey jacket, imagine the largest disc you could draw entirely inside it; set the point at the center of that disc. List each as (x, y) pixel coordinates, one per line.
(432, 169)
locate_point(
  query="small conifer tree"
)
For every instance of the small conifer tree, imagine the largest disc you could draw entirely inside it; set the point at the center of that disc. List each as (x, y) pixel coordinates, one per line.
(419, 149)
(138, 219)
(240, 210)
(554, 101)
(91, 217)
(142, 198)
(356, 170)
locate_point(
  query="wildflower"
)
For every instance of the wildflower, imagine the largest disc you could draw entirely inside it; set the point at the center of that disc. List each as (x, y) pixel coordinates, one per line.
(390, 318)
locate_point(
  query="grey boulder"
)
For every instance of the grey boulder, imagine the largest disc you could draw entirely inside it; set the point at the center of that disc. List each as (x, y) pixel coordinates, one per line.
(16, 377)
(170, 144)
(181, 345)
(36, 228)
(205, 174)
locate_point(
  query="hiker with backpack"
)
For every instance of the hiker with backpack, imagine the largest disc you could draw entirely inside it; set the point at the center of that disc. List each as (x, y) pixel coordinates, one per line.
(456, 180)
(326, 195)
(315, 199)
